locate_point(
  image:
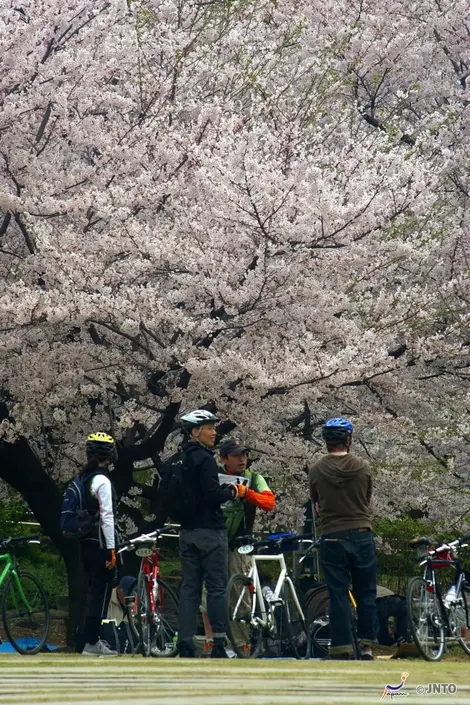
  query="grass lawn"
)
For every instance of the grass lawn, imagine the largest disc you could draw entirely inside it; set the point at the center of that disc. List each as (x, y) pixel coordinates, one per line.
(77, 680)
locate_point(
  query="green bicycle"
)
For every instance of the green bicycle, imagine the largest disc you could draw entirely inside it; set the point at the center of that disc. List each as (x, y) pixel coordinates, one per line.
(25, 612)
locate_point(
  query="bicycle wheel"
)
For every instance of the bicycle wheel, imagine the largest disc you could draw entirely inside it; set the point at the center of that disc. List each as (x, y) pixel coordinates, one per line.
(243, 628)
(319, 637)
(295, 626)
(459, 622)
(142, 616)
(354, 638)
(25, 613)
(131, 608)
(164, 622)
(426, 620)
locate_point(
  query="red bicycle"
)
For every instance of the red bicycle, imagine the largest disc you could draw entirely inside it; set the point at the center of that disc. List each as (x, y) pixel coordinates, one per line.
(152, 608)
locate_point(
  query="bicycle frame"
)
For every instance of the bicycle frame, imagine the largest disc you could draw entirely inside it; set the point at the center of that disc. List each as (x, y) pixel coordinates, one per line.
(266, 617)
(432, 584)
(149, 566)
(10, 570)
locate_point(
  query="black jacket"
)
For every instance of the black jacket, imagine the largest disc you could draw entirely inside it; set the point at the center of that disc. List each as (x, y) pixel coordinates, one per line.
(202, 475)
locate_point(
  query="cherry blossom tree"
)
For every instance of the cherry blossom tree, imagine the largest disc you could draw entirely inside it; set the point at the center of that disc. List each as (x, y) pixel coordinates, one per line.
(256, 207)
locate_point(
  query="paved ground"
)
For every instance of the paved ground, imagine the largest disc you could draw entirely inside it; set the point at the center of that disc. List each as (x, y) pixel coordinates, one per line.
(71, 680)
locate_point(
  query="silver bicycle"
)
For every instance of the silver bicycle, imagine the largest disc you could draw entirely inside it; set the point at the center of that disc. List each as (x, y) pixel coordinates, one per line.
(261, 614)
(436, 619)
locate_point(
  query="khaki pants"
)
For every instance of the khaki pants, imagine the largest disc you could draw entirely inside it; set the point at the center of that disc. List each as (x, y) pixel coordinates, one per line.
(237, 563)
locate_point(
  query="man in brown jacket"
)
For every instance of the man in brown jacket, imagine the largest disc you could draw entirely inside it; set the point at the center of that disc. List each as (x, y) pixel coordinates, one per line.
(341, 489)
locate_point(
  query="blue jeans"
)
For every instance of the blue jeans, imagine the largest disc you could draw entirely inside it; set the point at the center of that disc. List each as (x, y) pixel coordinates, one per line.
(349, 557)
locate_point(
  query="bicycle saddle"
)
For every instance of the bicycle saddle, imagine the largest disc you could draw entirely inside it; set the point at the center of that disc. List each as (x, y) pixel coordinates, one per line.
(419, 541)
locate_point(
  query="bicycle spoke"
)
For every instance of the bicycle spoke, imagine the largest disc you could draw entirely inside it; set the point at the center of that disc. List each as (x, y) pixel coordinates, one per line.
(142, 615)
(25, 614)
(319, 636)
(296, 641)
(426, 620)
(243, 628)
(459, 617)
(164, 622)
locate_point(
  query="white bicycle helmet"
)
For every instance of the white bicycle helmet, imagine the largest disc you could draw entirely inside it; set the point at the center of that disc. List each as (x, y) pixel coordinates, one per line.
(197, 418)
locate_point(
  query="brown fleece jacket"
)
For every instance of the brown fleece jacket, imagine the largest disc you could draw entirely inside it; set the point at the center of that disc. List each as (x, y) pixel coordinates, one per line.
(342, 486)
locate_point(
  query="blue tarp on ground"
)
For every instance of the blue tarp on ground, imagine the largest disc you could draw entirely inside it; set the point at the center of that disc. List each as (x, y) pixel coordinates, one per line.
(26, 642)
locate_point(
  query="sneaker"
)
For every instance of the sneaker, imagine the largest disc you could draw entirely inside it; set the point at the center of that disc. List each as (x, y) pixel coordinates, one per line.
(218, 651)
(366, 654)
(338, 657)
(101, 648)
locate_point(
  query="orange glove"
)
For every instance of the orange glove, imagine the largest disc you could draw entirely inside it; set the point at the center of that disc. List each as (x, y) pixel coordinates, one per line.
(111, 563)
(241, 491)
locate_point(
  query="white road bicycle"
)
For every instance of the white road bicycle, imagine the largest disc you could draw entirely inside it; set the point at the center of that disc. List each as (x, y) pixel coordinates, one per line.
(279, 620)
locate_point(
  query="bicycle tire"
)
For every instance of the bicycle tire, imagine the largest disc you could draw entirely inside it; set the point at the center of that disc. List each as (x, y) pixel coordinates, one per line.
(320, 640)
(156, 630)
(319, 637)
(295, 627)
(425, 620)
(142, 616)
(165, 622)
(131, 608)
(355, 641)
(12, 602)
(240, 593)
(459, 621)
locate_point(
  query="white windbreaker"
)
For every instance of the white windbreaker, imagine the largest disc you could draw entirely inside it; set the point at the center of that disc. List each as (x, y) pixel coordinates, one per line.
(101, 489)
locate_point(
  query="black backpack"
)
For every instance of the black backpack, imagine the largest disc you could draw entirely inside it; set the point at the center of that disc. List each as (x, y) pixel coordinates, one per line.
(76, 520)
(392, 620)
(177, 492)
(120, 637)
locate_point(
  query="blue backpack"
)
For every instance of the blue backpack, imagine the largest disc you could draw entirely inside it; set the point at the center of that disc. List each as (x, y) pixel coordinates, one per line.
(76, 520)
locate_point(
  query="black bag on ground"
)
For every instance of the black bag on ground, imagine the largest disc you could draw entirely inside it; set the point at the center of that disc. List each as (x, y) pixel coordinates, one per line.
(120, 637)
(392, 620)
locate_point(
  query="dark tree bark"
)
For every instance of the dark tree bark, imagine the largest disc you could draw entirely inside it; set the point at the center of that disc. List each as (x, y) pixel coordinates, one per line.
(21, 468)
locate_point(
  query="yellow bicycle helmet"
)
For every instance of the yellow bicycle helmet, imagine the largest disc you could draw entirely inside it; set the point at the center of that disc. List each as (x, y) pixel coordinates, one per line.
(100, 444)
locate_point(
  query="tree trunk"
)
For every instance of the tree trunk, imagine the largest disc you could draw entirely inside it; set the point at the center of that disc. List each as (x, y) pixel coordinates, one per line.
(21, 468)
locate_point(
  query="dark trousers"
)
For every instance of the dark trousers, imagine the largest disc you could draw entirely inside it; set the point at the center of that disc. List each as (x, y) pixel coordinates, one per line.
(100, 583)
(204, 559)
(350, 557)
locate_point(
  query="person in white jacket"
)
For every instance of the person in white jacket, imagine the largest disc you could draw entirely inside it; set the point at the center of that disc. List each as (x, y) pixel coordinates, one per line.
(98, 548)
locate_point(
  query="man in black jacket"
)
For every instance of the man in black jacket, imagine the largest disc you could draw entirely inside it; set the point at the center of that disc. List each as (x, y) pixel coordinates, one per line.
(203, 535)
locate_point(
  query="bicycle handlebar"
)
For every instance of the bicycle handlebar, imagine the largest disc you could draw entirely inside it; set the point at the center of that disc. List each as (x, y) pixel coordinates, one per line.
(450, 545)
(269, 543)
(33, 538)
(147, 538)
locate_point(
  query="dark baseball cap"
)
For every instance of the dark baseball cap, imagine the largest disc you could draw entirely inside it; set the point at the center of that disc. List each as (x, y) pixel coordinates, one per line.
(231, 447)
(126, 584)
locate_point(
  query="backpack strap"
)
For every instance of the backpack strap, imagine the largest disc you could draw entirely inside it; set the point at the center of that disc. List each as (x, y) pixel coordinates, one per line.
(86, 479)
(250, 509)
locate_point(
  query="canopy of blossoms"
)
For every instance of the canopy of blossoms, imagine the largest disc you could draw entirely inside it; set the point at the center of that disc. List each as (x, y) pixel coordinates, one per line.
(257, 206)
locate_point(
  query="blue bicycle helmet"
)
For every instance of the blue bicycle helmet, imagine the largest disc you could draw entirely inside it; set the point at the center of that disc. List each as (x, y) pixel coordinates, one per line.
(338, 423)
